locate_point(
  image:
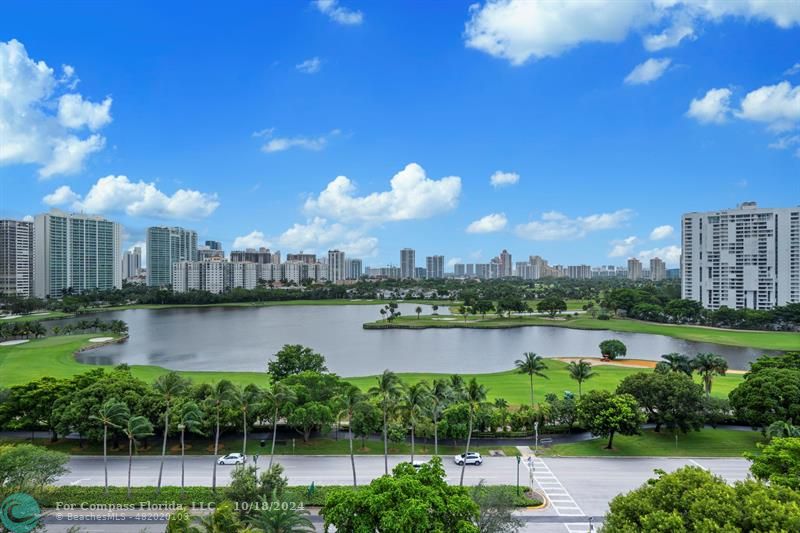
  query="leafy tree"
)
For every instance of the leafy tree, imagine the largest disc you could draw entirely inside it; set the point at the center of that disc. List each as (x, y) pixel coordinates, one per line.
(440, 396)
(413, 401)
(134, 428)
(580, 371)
(767, 396)
(787, 360)
(496, 510)
(169, 387)
(606, 414)
(245, 399)
(483, 307)
(30, 406)
(408, 500)
(552, 306)
(474, 396)
(613, 349)
(247, 487)
(294, 359)
(533, 365)
(366, 420)
(310, 416)
(562, 410)
(25, 467)
(671, 400)
(675, 362)
(455, 419)
(781, 429)
(387, 391)
(223, 520)
(778, 462)
(709, 365)
(218, 399)
(111, 414)
(418, 310)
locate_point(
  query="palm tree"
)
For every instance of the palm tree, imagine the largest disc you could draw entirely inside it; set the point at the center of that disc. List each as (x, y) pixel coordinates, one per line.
(277, 397)
(245, 399)
(457, 385)
(502, 407)
(272, 518)
(533, 365)
(383, 313)
(387, 390)
(440, 395)
(415, 397)
(349, 398)
(782, 429)
(219, 398)
(708, 365)
(191, 418)
(580, 371)
(418, 310)
(135, 427)
(112, 413)
(169, 386)
(474, 396)
(676, 362)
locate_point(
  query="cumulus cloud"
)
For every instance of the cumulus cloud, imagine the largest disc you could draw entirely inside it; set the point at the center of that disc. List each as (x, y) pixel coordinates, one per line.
(623, 247)
(671, 255)
(280, 144)
(454, 261)
(555, 226)
(119, 194)
(778, 106)
(787, 142)
(254, 239)
(338, 13)
(412, 195)
(309, 66)
(661, 232)
(503, 179)
(489, 224)
(518, 30)
(650, 70)
(711, 108)
(791, 71)
(316, 235)
(38, 124)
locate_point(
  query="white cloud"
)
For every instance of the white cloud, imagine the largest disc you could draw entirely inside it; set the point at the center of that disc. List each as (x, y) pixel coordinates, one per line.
(119, 194)
(671, 255)
(623, 247)
(75, 112)
(454, 261)
(650, 70)
(309, 66)
(776, 105)
(280, 144)
(712, 108)
(787, 142)
(27, 218)
(61, 196)
(489, 224)
(338, 13)
(669, 38)
(558, 226)
(254, 239)
(661, 232)
(37, 124)
(502, 179)
(316, 235)
(412, 195)
(791, 71)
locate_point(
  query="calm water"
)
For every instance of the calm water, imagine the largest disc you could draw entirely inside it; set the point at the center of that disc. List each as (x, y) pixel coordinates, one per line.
(244, 338)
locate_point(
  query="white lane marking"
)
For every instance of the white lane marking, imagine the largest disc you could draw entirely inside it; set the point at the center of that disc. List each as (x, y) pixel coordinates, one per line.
(695, 463)
(559, 497)
(580, 527)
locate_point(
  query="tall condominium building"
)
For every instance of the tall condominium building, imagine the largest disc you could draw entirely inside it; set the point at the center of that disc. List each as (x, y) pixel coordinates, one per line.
(658, 269)
(482, 270)
(132, 263)
(353, 268)
(434, 267)
(459, 270)
(634, 269)
(505, 265)
(523, 270)
(209, 254)
(579, 271)
(408, 262)
(743, 258)
(336, 271)
(388, 272)
(75, 252)
(303, 258)
(241, 275)
(214, 245)
(673, 273)
(470, 270)
(166, 246)
(251, 255)
(420, 272)
(16, 258)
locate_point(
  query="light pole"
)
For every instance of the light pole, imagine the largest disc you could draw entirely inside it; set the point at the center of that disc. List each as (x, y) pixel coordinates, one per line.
(518, 461)
(255, 464)
(536, 442)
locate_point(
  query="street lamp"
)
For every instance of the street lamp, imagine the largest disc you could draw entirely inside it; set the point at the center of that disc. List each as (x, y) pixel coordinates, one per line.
(536, 430)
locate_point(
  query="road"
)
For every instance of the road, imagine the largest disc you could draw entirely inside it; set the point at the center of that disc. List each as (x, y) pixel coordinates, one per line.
(577, 487)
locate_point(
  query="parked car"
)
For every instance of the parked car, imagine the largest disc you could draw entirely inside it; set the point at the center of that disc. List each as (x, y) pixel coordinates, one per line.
(471, 458)
(232, 459)
(417, 463)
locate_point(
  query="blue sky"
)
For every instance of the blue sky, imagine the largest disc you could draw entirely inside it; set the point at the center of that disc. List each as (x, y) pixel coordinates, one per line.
(373, 126)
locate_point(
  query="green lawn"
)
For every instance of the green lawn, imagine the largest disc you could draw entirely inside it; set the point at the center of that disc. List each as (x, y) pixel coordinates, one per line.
(38, 316)
(269, 304)
(53, 356)
(767, 340)
(705, 443)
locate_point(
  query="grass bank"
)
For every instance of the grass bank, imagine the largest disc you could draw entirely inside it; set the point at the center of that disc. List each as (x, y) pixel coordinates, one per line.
(275, 303)
(766, 340)
(704, 443)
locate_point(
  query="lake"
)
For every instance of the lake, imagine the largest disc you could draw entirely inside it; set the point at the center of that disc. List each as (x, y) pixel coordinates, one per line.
(243, 338)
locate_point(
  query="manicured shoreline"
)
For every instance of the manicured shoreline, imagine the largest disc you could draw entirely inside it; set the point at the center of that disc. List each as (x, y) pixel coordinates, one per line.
(765, 340)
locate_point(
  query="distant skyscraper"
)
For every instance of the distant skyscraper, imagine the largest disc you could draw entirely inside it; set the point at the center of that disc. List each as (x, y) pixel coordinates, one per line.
(132, 263)
(309, 259)
(408, 262)
(336, 271)
(673, 273)
(743, 258)
(251, 255)
(470, 270)
(75, 252)
(16, 258)
(634, 269)
(209, 254)
(459, 270)
(482, 270)
(420, 273)
(165, 246)
(579, 271)
(214, 245)
(658, 269)
(353, 268)
(434, 267)
(505, 265)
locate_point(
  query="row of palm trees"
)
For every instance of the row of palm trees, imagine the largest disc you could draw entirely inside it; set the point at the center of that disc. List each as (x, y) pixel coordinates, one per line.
(535, 365)
(35, 329)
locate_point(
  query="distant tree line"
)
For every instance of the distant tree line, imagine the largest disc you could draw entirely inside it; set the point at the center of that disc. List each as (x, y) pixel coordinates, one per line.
(32, 329)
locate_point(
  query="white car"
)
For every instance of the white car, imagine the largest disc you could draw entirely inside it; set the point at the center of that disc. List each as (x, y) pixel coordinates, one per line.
(232, 459)
(472, 458)
(418, 464)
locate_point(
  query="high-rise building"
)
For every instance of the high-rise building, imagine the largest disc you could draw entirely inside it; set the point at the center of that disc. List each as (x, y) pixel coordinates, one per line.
(16, 258)
(579, 271)
(309, 259)
(742, 258)
(434, 267)
(353, 268)
(214, 245)
(408, 262)
(504, 265)
(209, 254)
(459, 270)
(634, 269)
(132, 263)
(673, 273)
(470, 270)
(336, 271)
(658, 269)
(251, 255)
(75, 253)
(166, 246)
(420, 272)
(482, 270)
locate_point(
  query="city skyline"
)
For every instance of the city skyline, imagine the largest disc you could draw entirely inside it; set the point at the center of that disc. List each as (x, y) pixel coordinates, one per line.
(528, 162)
